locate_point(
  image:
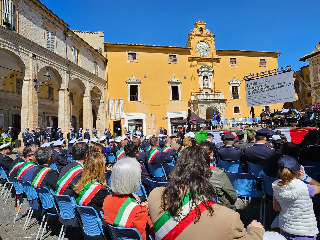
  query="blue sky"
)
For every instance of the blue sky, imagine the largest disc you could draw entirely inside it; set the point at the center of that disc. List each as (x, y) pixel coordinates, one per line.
(290, 27)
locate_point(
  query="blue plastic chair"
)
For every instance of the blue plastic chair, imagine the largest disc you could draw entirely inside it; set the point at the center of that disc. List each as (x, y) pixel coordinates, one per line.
(67, 211)
(214, 123)
(118, 233)
(90, 221)
(142, 192)
(47, 202)
(243, 121)
(255, 169)
(156, 170)
(244, 183)
(231, 166)
(153, 184)
(224, 122)
(250, 121)
(19, 190)
(258, 120)
(232, 123)
(111, 158)
(267, 189)
(32, 200)
(5, 177)
(53, 166)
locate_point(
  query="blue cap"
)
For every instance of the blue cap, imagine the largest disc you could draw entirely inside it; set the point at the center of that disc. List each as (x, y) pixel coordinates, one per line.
(229, 136)
(288, 162)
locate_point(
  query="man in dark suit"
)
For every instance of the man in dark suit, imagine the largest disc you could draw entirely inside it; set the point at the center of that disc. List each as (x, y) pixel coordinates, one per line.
(5, 160)
(228, 152)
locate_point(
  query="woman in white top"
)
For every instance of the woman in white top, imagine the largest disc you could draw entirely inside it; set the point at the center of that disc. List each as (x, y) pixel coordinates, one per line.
(292, 197)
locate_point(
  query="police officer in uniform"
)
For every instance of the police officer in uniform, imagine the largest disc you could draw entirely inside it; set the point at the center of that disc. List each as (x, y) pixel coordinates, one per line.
(228, 152)
(240, 144)
(260, 153)
(32, 139)
(70, 134)
(5, 160)
(59, 158)
(10, 132)
(48, 135)
(38, 136)
(26, 137)
(87, 134)
(312, 150)
(59, 134)
(79, 135)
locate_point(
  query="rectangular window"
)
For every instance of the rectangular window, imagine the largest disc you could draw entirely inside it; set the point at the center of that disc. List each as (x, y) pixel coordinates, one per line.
(309, 94)
(96, 69)
(262, 62)
(236, 110)
(132, 57)
(76, 55)
(50, 40)
(235, 92)
(134, 93)
(71, 99)
(173, 58)
(233, 61)
(175, 96)
(9, 16)
(307, 78)
(19, 85)
(50, 93)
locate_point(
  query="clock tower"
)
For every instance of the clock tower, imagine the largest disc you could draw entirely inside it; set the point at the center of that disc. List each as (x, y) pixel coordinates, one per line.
(203, 63)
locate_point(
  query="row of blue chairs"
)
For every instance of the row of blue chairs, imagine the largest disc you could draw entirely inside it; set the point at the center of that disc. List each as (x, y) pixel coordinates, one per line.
(66, 208)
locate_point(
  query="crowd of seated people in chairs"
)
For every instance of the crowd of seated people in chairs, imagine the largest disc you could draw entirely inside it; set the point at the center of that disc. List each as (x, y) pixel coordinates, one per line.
(167, 187)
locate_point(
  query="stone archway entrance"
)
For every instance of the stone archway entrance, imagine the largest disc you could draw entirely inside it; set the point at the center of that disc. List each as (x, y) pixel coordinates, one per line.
(210, 111)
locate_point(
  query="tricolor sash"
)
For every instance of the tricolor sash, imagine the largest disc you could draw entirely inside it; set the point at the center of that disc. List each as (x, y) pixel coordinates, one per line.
(166, 149)
(140, 151)
(40, 176)
(15, 167)
(168, 228)
(88, 192)
(148, 148)
(120, 154)
(24, 168)
(152, 154)
(67, 178)
(127, 212)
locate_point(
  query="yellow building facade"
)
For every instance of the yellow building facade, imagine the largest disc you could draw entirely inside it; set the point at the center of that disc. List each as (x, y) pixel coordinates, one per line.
(152, 86)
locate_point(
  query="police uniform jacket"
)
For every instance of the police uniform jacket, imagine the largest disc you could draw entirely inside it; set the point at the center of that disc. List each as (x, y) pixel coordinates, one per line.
(70, 136)
(310, 153)
(48, 136)
(87, 135)
(158, 159)
(60, 159)
(171, 154)
(33, 138)
(38, 137)
(58, 136)
(271, 165)
(69, 189)
(64, 152)
(5, 162)
(10, 133)
(14, 173)
(229, 153)
(49, 180)
(259, 154)
(79, 136)
(25, 137)
(145, 145)
(69, 151)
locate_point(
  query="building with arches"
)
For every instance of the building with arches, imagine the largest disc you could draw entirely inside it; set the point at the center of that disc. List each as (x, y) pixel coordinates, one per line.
(152, 86)
(49, 75)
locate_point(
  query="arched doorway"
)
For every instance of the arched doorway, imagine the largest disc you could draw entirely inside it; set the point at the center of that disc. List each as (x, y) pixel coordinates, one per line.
(210, 113)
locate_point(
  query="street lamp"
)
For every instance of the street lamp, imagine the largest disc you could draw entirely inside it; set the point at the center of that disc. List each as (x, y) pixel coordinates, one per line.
(37, 84)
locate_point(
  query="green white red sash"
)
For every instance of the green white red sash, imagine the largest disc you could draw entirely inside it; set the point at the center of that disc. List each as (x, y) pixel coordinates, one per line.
(15, 167)
(120, 154)
(40, 176)
(140, 151)
(152, 154)
(127, 212)
(148, 148)
(24, 168)
(166, 149)
(67, 178)
(168, 228)
(88, 192)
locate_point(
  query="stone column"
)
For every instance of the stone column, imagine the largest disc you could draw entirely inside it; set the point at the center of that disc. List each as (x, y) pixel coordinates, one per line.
(29, 108)
(101, 124)
(64, 106)
(87, 109)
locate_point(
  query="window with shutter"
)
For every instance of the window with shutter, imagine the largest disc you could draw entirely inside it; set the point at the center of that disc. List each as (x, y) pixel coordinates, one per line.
(76, 55)
(95, 68)
(9, 14)
(50, 40)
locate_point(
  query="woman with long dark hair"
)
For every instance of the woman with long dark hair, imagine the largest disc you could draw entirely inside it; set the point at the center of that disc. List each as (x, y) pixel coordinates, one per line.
(186, 208)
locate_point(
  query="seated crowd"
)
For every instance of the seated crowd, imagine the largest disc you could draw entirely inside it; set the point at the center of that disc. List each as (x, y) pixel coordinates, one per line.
(198, 201)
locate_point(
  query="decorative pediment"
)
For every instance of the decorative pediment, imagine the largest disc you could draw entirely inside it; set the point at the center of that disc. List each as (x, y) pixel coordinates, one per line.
(205, 68)
(234, 81)
(133, 80)
(174, 80)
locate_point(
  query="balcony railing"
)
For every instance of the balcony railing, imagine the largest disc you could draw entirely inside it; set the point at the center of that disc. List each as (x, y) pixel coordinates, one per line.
(175, 97)
(134, 98)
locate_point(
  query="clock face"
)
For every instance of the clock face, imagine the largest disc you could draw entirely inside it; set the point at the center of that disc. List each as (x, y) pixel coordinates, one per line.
(203, 48)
